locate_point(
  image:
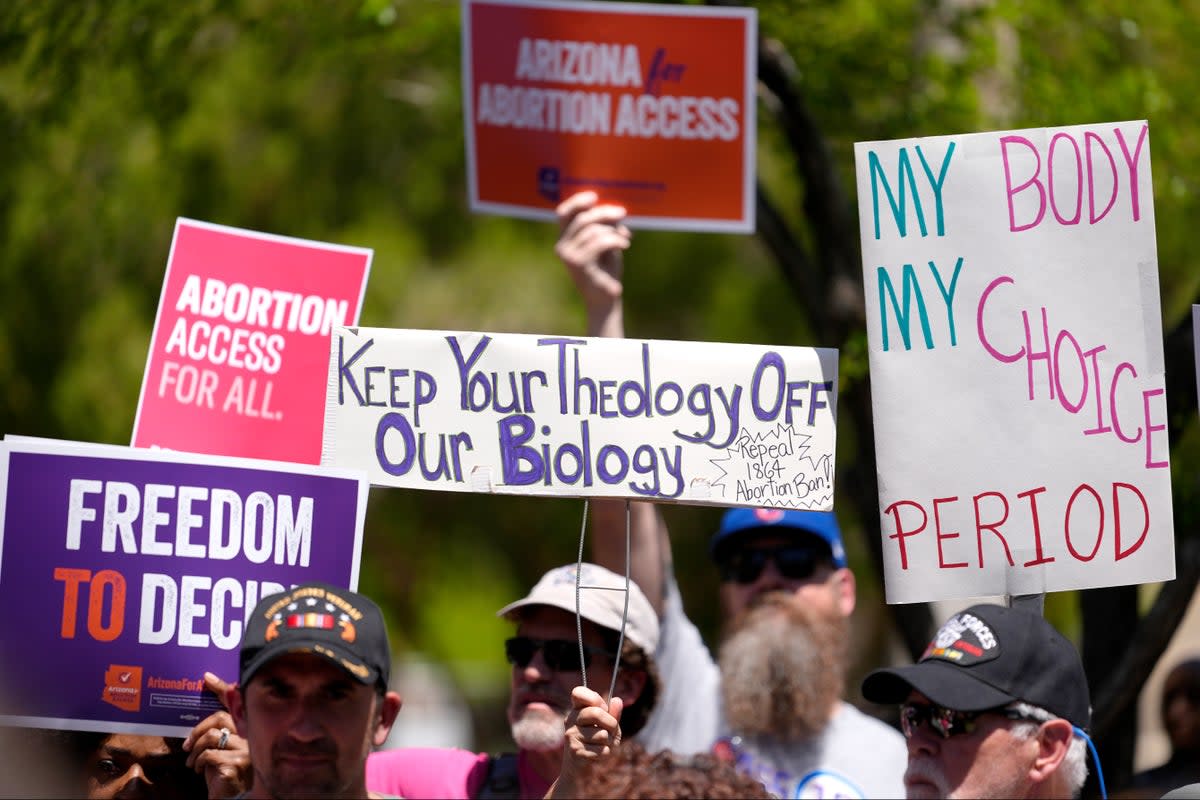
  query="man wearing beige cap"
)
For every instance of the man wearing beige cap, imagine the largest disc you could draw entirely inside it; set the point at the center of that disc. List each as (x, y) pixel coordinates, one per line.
(772, 701)
(547, 663)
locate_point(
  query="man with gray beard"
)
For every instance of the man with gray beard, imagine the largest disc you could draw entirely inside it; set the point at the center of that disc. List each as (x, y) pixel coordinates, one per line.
(781, 671)
(802, 750)
(786, 586)
(547, 664)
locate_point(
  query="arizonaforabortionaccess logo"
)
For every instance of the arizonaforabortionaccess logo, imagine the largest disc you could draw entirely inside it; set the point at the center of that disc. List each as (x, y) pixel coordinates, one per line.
(123, 687)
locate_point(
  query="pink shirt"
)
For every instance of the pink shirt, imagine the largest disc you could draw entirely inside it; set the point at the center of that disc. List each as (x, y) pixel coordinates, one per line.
(418, 772)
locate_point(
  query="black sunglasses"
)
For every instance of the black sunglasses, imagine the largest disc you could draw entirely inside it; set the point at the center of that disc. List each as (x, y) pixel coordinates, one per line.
(560, 655)
(795, 562)
(947, 722)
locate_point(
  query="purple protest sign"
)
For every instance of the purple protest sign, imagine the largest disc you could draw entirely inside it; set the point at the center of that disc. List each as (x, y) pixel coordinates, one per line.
(125, 574)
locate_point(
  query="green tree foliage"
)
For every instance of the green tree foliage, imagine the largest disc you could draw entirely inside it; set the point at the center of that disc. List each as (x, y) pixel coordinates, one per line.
(335, 121)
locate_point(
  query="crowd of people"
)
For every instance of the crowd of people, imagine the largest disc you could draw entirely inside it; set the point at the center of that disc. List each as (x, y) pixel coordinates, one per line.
(997, 706)
(614, 693)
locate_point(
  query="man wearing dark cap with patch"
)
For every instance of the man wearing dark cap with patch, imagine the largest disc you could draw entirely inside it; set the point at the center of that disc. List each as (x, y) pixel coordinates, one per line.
(312, 695)
(995, 707)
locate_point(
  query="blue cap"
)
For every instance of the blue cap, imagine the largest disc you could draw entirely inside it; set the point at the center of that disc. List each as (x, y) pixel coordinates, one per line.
(739, 522)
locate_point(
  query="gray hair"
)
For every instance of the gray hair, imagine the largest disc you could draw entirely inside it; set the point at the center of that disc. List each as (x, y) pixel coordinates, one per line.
(1074, 765)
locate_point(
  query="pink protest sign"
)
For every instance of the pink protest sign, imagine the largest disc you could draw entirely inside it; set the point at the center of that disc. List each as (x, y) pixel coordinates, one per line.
(1016, 353)
(240, 348)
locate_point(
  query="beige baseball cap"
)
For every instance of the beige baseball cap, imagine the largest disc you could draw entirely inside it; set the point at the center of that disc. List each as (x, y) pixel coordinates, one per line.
(601, 601)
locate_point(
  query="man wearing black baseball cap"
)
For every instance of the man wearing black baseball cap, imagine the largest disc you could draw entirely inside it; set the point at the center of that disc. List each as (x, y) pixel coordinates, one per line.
(312, 694)
(995, 707)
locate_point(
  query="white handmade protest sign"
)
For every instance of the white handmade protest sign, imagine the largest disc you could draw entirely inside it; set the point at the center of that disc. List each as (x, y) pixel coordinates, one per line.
(694, 422)
(1015, 344)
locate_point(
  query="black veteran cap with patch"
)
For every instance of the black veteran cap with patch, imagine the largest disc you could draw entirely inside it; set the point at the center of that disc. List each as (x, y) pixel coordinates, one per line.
(989, 656)
(343, 626)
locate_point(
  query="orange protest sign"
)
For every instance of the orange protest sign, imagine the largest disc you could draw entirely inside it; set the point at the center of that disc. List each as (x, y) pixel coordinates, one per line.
(651, 106)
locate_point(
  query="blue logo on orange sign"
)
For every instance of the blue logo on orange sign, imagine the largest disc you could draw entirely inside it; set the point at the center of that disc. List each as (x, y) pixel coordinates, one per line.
(549, 186)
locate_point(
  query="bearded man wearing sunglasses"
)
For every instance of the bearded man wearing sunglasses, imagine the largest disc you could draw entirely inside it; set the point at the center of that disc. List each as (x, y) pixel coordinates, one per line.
(547, 663)
(995, 707)
(773, 704)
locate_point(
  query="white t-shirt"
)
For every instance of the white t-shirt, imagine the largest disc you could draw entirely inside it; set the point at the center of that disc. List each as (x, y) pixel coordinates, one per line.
(688, 719)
